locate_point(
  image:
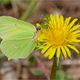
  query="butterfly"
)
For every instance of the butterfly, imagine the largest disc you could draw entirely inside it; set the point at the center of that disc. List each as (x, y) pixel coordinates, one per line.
(17, 36)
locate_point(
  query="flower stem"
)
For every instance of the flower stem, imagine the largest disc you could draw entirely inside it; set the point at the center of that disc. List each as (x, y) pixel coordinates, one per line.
(28, 10)
(54, 69)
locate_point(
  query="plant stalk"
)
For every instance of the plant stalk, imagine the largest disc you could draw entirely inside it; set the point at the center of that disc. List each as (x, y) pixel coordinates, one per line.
(28, 10)
(54, 69)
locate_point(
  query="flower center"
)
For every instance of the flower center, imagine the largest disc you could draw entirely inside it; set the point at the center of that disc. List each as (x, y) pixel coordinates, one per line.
(58, 36)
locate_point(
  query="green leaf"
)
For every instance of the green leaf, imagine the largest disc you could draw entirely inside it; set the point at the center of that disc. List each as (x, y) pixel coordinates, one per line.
(5, 2)
(37, 72)
(17, 37)
(61, 75)
(32, 61)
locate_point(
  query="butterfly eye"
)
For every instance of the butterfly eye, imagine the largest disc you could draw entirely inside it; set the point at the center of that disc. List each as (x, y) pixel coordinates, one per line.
(38, 28)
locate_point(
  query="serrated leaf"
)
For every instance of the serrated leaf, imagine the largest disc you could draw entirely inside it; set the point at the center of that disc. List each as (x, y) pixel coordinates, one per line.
(17, 37)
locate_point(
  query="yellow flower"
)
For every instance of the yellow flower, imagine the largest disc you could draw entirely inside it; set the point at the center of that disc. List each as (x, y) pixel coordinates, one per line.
(58, 35)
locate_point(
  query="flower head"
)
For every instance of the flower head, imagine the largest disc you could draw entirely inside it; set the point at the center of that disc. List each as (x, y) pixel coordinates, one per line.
(58, 35)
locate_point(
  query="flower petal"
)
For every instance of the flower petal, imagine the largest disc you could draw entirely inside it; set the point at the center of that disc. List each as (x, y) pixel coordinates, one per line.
(74, 40)
(58, 53)
(67, 51)
(67, 21)
(63, 51)
(48, 52)
(72, 47)
(75, 32)
(62, 20)
(75, 27)
(53, 53)
(72, 23)
(45, 48)
(76, 36)
(57, 20)
(52, 21)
